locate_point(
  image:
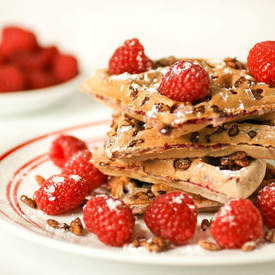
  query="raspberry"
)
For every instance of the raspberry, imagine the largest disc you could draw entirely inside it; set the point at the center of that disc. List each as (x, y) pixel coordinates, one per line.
(130, 57)
(172, 216)
(63, 148)
(11, 79)
(185, 81)
(261, 62)
(15, 40)
(39, 79)
(64, 67)
(266, 204)
(33, 61)
(110, 219)
(61, 193)
(80, 165)
(236, 223)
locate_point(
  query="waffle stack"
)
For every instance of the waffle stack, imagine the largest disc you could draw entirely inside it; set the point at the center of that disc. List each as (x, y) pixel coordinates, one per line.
(215, 150)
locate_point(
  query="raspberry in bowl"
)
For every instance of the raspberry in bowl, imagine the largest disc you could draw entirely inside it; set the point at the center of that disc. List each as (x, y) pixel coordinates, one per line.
(32, 75)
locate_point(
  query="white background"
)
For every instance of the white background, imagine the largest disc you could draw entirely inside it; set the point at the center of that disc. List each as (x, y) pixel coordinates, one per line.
(92, 30)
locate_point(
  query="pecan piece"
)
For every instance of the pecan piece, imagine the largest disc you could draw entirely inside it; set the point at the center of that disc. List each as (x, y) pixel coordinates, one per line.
(209, 245)
(270, 236)
(234, 63)
(28, 201)
(76, 227)
(135, 142)
(56, 225)
(156, 244)
(182, 164)
(233, 130)
(39, 179)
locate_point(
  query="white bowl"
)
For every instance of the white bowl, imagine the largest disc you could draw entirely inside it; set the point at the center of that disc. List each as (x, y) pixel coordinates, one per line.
(32, 100)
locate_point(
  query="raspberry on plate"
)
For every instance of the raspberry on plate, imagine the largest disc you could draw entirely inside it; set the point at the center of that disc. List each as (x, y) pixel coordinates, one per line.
(110, 219)
(130, 58)
(236, 223)
(63, 148)
(80, 165)
(261, 62)
(266, 204)
(61, 193)
(64, 67)
(15, 40)
(172, 216)
(11, 79)
(185, 81)
(39, 79)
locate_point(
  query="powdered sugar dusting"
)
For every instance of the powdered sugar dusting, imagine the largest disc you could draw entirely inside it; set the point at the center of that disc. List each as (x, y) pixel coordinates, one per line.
(113, 204)
(75, 177)
(58, 179)
(178, 199)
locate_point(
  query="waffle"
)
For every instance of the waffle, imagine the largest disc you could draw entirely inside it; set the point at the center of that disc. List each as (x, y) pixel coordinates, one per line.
(138, 195)
(134, 140)
(235, 95)
(205, 177)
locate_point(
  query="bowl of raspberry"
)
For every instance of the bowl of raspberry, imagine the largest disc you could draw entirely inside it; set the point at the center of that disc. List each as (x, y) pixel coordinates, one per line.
(33, 76)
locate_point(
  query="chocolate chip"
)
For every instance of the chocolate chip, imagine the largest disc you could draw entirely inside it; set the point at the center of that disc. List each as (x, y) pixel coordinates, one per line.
(233, 130)
(233, 92)
(145, 99)
(161, 107)
(215, 109)
(224, 81)
(166, 130)
(257, 93)
(135, 142)
(207, 138)
(252, 133)
(195, 137)
(199, 109)
(182, 164)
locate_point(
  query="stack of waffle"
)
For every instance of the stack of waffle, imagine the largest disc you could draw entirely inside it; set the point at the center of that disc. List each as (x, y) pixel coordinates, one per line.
(215, 150)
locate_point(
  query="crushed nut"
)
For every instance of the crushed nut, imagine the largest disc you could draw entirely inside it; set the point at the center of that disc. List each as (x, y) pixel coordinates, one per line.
(155, 244)
(252, 134)
(270, 236)
(161, 107)
(56, 225)
(199, 109)
(257, 93)
(135, 142)
(249, 246)
(205, 224)
(182, 164)
(233, 130)
(76, 227)
(145, 99)
(39, 179)
(234, 63)
(28, 201)
(224, 80)
(209, 245)
(195, 137)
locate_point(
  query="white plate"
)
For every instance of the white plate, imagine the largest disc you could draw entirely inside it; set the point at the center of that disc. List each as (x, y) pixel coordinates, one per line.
(27, 101)
(20, 164)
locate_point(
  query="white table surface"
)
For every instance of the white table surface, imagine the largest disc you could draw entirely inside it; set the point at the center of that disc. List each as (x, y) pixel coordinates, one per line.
(92, 29)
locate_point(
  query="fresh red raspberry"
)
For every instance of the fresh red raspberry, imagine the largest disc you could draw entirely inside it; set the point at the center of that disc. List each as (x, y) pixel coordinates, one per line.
(15, 40)
(172, 216)
(61, 193)
(261, 62)
(266, 204)
(80, 165)
(110, 219)
(33, 61)
(11, 79)
(130, 58)
(236, 223)
(39, 79)
(64, 67)
(185, 81)
(63, 148)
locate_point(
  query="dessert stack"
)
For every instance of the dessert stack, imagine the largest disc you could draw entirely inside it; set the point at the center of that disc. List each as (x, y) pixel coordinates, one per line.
(202, 126)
